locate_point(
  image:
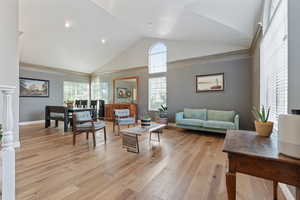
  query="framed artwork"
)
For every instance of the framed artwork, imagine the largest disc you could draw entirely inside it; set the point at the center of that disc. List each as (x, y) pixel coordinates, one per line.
(34, 87)
(210, 82)
(123, 93)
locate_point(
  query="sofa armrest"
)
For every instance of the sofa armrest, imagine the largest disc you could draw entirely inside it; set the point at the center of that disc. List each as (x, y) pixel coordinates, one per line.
(237, 121)
(179, 116)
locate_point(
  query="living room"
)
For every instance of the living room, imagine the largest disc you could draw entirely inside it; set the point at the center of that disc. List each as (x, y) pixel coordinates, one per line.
(150, 100)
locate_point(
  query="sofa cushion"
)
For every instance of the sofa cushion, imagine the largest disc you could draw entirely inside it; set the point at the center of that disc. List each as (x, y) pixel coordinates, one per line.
(218, 124)
(190, 122)
(195, 114)
(218, 115)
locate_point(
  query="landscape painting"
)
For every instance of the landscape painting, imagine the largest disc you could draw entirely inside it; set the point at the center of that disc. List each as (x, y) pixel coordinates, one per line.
(210, 82)
(34, 87)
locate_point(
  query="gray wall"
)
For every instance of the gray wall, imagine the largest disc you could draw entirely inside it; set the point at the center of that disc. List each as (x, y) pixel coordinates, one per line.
(33, 108)
(293, 54)
(181, 83)
(9, 67)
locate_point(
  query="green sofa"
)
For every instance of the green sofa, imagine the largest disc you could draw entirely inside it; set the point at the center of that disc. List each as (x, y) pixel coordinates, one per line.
(207, 120)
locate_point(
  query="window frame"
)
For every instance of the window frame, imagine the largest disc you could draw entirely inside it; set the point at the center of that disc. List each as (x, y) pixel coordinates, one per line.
(151, 54)
(150, 92)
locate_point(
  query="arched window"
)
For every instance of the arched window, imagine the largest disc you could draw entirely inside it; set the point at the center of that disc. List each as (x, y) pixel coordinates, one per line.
(158, 58)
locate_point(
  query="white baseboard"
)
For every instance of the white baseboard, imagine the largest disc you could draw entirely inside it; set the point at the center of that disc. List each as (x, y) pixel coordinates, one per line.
(286, 192)
(31, 122)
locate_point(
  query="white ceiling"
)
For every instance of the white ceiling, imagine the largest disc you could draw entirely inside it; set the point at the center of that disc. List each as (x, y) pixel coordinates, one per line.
(125, 23)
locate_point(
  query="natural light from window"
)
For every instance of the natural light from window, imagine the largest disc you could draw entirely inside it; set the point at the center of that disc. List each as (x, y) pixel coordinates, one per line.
(158, 58)
(76, 91)
(157, 92)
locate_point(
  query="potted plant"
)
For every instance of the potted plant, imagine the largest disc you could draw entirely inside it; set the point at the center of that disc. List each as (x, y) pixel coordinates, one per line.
(70, 103)
(163, 115)
(145, 121)
(262, 125)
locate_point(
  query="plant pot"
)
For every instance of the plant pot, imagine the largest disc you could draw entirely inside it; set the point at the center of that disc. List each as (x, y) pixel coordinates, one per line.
(163, 120)
(145, 123)
(69, 105)
(264, 128)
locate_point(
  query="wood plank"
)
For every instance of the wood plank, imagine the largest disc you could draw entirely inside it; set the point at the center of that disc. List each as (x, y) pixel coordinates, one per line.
(184, 165)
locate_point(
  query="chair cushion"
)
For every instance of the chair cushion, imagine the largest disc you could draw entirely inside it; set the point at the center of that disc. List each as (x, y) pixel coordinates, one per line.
(195, 114)
(88, 125)
(83, 116)
(125, 121)
(219, 124)
(218, 115)
(56, 115)
(122, 112)
(190, 122)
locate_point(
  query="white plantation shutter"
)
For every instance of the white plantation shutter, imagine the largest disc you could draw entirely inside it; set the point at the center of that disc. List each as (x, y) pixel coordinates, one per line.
(274, 64)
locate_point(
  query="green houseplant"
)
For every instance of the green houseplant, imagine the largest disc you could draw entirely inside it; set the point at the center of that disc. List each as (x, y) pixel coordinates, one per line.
(70, 103)
(163, 114)
(262, 126)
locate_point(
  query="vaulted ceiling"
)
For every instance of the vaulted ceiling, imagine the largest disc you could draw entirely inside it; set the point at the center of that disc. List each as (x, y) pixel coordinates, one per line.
(100, 31)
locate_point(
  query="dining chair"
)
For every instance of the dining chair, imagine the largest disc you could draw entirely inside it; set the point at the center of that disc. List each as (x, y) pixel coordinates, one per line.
(101, 112)
(122, 117)
(77, 103)
(83, 103)
(93, 104)
(57, 113)
(83, 123)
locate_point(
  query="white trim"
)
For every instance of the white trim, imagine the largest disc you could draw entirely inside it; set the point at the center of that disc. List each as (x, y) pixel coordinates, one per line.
(31, 122)
(286, 191)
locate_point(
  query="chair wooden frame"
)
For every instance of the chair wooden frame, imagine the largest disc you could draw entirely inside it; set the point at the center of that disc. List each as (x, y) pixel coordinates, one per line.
(116, 118)
(92, 130)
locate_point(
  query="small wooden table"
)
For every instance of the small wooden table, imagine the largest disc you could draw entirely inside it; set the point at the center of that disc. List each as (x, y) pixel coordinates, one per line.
(258, 156)
(130, 135)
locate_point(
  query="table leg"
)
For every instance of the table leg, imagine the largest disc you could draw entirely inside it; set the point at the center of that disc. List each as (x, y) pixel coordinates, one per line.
(231, 185)
(297, 193)
(137, 144)
(158, 133)
(275, 190)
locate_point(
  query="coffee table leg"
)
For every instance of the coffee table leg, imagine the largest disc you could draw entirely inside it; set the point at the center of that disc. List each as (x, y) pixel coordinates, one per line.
(158, 135)
(137, 144)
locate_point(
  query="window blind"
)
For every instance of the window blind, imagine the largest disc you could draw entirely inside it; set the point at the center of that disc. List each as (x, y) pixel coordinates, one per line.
(274, 63)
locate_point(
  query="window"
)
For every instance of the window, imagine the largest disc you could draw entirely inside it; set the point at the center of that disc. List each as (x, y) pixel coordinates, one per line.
(274, 64)
(157, 92)
(158, 58)
(100, 91)
(273, 6)
(76, 90)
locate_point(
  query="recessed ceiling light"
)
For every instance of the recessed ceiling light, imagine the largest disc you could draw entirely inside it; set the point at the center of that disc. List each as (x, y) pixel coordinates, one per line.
(103, 41)
(67, 24)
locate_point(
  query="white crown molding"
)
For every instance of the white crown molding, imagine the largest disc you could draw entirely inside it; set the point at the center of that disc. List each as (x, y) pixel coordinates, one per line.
(43, 68)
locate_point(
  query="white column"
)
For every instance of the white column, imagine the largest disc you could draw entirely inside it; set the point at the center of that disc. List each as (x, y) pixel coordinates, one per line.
(8, 150)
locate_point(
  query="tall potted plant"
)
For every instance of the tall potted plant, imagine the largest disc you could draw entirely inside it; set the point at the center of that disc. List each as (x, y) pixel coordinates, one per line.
(163, 114)
(262, 125)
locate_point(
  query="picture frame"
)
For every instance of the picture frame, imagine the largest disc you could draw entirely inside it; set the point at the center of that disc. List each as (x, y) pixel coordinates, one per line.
(30, 87)
(210, 83)
(123, 93)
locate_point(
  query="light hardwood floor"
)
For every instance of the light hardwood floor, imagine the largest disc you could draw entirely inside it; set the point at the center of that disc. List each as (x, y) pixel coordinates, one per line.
(184, 165)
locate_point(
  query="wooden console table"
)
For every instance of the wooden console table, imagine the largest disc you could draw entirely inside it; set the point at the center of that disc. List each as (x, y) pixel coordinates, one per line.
(258, 156)
(109, 108)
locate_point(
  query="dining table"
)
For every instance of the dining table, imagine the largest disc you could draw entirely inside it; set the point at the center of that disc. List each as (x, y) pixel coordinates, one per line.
(66, 114)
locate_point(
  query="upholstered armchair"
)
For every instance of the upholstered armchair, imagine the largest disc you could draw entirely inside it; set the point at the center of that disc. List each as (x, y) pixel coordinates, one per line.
(83, 123)
(122, 117)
